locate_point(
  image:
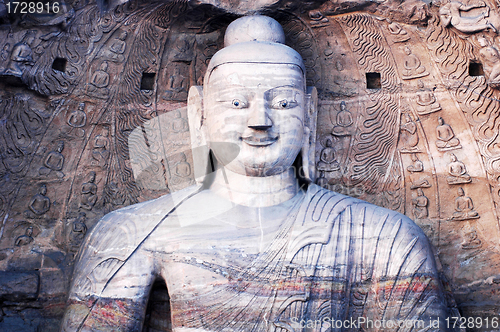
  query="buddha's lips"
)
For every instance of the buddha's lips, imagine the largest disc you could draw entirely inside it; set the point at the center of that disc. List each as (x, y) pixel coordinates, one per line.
(260, 140)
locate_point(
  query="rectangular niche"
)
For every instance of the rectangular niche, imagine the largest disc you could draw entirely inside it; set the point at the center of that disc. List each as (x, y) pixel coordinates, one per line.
(373, 81)
(476, 68)
(59, 64)
(148, 81)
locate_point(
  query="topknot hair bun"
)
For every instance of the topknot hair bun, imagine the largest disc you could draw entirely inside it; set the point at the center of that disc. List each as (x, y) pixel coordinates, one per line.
(254, 28)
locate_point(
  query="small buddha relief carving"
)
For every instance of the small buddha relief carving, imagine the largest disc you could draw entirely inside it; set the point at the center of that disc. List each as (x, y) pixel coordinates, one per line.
(39, 204)
(78, 231)
(327, 161)
(182, 172)
(408, 134)
(412, 66)
(77, 119)
(114, 52)
(101, 148)
(416, 166)
(177, 83)
(179, 124)
(446, 139)
(426, 102)
(457, 171)
(21, 57)
(464, 207)
(26, 238)
(98, 86)
(343, 122)
(398, 34)
(89, 192)
(54, 162)
(470, 238)
(420, 203)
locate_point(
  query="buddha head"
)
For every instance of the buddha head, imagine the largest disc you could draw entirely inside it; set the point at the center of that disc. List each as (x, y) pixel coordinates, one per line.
(254, 111)
(92, 175)
(60, 146)
(43, 189)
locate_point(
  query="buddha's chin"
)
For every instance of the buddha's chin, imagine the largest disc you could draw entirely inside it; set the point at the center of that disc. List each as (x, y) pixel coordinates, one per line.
(253, 169)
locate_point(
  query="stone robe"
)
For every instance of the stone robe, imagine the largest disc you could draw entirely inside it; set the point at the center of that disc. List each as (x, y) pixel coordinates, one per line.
(318, 262)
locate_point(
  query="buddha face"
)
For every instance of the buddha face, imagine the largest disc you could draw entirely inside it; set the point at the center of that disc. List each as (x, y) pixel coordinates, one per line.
(260, 108)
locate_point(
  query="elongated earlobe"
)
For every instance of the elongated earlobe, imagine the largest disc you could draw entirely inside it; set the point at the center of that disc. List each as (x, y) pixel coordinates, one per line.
(309, 144)
(198, 138)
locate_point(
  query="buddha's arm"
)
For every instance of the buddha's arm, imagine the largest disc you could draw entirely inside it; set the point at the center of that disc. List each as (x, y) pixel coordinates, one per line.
(111, 281)
(411, 287)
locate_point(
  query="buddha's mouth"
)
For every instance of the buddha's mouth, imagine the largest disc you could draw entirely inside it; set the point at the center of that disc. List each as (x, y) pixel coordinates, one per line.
(260, 139)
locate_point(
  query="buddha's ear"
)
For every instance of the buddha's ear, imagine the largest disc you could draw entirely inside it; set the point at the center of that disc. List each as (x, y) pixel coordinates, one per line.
(197, 131)
(309, 144)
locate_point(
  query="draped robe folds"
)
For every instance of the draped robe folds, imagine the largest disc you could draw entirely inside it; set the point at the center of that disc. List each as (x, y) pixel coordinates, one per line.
(334, 263)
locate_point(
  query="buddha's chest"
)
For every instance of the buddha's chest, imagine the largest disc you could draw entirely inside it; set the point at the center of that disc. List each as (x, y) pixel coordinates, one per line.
(217, 275)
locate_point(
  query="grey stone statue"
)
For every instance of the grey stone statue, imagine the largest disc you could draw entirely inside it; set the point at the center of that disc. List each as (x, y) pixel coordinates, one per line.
(249, 248)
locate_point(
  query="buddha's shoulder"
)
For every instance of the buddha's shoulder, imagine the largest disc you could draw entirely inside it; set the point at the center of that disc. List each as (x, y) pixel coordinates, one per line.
(128, 226)
(326, 204)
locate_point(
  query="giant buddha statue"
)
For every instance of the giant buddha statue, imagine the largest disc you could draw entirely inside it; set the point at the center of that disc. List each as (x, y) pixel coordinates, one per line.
(252, 246)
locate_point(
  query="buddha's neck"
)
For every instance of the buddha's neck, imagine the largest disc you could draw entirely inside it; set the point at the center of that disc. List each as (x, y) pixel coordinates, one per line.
(255, 191)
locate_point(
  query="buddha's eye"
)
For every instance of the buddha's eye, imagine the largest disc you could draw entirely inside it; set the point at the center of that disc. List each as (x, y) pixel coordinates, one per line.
(237, 103)
(284, 104)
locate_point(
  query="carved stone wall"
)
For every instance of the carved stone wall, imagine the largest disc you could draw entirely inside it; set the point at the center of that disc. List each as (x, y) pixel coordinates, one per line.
(93, 118)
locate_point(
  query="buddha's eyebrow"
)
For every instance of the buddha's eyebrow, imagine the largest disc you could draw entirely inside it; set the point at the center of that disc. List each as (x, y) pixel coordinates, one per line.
(244, 90)
(285, 87)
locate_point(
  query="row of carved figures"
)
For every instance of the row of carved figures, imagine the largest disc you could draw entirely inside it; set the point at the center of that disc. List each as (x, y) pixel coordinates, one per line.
(78, 230)
(457, 171)
(457, 174)
(464, 207)
(465, 18)
(40, 203)
(14, 62)
(445, 136)
(464, 210)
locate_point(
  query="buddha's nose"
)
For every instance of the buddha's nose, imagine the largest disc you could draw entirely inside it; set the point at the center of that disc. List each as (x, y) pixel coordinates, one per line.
(259, 117)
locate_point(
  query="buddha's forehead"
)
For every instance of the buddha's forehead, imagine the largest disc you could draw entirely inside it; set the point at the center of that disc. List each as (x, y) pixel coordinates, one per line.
(256, 75)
